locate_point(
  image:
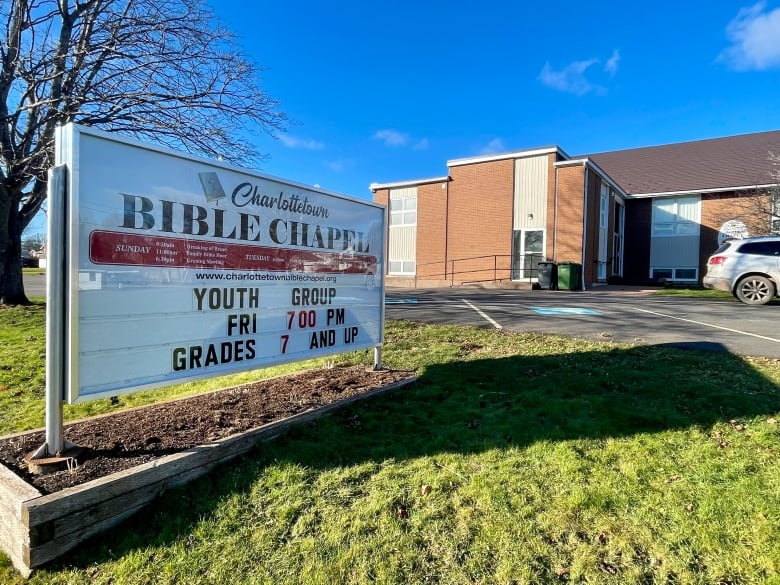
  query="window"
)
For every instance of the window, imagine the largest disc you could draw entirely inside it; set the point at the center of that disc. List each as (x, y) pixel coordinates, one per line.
(401, 267)
(665, 273)
(676, 216)
(604, 207)
(767, 248)
(673, 274)
(403, 211)
(685, 273)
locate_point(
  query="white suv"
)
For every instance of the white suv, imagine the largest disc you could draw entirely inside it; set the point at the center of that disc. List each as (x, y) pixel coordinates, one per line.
(749, 269)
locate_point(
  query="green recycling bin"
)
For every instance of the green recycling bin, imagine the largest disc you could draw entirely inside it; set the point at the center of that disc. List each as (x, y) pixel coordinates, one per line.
(568, 276)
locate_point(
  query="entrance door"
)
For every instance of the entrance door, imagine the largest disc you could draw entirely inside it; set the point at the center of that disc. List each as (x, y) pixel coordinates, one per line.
(527, 252)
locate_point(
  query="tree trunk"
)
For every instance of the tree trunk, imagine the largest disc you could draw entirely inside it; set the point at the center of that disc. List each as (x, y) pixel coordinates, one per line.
(11, 228)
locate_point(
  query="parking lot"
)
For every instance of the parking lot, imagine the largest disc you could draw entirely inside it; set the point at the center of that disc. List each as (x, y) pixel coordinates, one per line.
(631, 316)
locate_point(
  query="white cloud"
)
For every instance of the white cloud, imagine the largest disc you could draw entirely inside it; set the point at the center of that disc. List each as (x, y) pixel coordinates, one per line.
(570, 79)
(492, 147)
(396, 139)
(392, 137)
(304, 143)
(339, 165)
(755, 39)
(611, 66)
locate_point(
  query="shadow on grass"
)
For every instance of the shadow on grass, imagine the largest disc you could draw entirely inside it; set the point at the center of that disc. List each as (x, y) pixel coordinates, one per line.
(475, 405)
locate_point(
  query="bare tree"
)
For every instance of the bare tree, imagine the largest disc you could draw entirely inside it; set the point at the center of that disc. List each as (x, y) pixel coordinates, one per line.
(159, 70)
(757, 211)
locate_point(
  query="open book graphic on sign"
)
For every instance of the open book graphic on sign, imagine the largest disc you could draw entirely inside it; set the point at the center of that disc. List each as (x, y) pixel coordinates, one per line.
(212, 188)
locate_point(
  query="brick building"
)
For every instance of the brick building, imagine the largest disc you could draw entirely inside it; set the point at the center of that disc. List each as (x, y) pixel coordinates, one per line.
(644, 215)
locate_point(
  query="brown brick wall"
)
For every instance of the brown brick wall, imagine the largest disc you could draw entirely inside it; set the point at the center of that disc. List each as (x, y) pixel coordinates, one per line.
(590, 266)
(718, 208)
(549, 251)
(568, 237)
(480, 220)
(431, 230)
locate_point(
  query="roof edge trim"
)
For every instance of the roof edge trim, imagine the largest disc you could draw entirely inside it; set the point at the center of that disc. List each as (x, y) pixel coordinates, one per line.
(455, 162)
(412, 183)
(703, 191)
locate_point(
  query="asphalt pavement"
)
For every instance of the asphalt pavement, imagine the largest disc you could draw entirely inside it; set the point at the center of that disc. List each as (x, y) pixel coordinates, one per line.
(624, 315)
(35, 285)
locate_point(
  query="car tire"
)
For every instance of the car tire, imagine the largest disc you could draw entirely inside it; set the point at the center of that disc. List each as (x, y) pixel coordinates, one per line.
(755, 290)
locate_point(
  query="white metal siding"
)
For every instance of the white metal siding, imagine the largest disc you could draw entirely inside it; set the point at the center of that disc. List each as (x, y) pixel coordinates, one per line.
(680, 251)
(531, 186)
(402, 240)
(403, 243)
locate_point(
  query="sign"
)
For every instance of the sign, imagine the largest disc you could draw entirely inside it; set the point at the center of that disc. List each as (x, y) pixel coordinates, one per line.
(181, 268)
(733, 228)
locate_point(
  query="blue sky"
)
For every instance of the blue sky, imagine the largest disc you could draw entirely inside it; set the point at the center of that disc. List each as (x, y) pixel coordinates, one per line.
(389, 91)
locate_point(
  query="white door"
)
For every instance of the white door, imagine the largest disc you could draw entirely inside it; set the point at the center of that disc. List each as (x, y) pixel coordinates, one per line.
(527, 252)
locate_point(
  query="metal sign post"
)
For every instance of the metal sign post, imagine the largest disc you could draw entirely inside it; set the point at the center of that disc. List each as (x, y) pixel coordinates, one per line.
(53, 453)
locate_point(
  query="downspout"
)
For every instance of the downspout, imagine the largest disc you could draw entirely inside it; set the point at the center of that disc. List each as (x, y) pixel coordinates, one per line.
(446, 225)
(584, 225)
(555, 215)
(512, 237)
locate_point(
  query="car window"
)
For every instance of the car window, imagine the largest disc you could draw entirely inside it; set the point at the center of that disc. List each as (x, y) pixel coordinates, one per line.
(769, 248)
(722, 248)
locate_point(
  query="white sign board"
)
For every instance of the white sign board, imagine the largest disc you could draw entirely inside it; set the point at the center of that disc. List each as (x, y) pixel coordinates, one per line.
(182, 268)
(733, 228)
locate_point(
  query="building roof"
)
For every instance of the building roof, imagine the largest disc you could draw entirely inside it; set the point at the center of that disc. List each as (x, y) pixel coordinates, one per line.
(717, 164)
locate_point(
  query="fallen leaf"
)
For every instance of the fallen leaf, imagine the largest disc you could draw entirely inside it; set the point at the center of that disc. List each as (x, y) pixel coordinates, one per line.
(736, 425)
(603, 537)
(403, 513)
(425, 489)
(689, 508)
(771, 421)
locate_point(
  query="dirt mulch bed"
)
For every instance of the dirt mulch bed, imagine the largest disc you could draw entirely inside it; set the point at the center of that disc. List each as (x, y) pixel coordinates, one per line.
(126, 439)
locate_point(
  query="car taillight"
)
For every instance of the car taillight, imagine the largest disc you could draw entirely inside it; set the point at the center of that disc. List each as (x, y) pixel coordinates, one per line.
(715, 260)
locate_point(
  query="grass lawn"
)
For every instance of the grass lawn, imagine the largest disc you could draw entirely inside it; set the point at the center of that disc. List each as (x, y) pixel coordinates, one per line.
(695, 292)
(516, 458)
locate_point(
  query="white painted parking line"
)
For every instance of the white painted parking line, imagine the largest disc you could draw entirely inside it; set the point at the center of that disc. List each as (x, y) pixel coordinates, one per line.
(711, 325)
(564, 311)
(482, 314)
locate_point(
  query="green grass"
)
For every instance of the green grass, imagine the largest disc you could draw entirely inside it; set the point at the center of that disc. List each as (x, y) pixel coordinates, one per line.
(697, 292)
(516, 458)
(33, 270)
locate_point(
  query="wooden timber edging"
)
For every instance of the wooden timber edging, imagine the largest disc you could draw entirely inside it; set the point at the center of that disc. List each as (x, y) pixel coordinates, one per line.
(36, 529)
